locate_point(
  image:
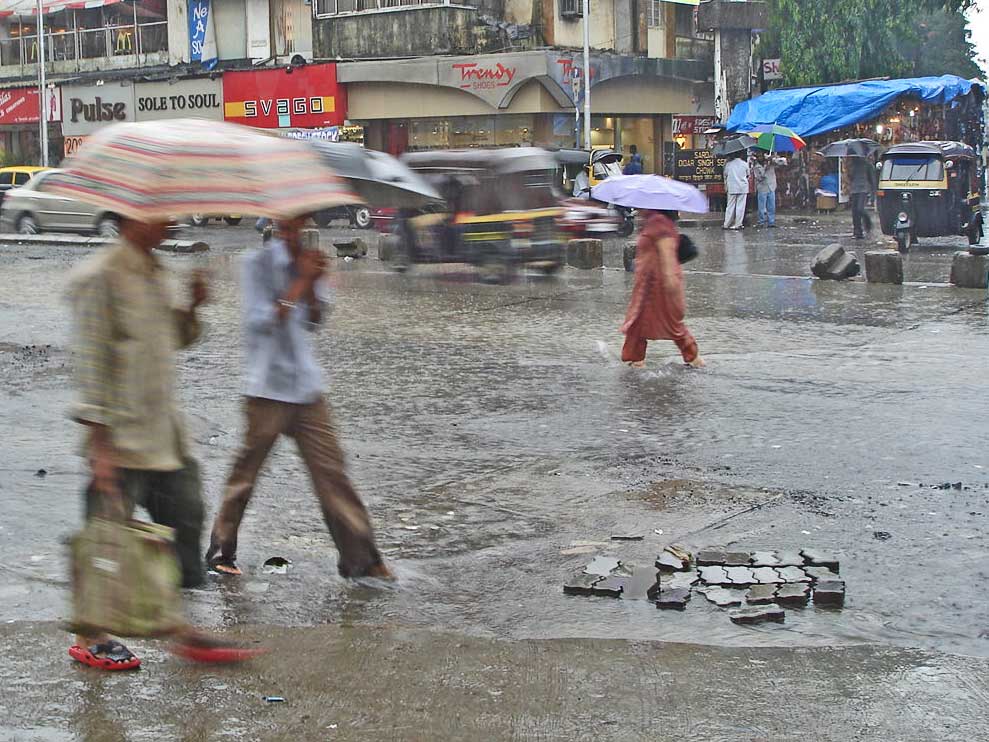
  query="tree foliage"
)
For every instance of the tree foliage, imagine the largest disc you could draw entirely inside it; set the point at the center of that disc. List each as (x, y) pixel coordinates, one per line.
(822, 42)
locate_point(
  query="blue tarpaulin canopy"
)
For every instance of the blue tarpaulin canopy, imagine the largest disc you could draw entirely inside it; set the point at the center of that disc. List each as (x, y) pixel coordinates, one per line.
(811, 111)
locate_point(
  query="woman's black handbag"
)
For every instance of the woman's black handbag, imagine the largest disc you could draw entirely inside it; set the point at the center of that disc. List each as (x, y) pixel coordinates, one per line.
(687, 250)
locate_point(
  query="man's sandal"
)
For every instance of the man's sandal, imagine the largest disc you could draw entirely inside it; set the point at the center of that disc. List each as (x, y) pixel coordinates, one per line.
(207, 650)
(110, 655)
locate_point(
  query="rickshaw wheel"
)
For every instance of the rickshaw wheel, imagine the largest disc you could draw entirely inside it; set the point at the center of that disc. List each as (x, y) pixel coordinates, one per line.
(495, 269)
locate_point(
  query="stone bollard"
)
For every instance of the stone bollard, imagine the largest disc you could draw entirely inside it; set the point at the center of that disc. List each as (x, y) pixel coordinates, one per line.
(970, 271)
(628, 257)
(585, 254)
(835, 264)
(884, 266)
(386, 247)
(309, 239)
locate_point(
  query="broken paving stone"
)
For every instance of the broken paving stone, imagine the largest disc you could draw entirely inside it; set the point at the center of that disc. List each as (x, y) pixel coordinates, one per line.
(765, 575)
(765, 559)
(609, 587)
(673, 600)
(602, 566)
(722, 597)
(816, 558)
(642, 585)
(790, 559)
(760, 614)
(741, 576)
(821, 574)
(581, 584)
(738, 559)
(710, 557)
(678, 580)
(714, 575)
(670, 563)
(760, 594)
(795, 595)
(830, 594)
(792, 574)
(627, 537)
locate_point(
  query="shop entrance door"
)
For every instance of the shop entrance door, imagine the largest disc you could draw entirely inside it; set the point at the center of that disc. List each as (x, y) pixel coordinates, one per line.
(396, 139)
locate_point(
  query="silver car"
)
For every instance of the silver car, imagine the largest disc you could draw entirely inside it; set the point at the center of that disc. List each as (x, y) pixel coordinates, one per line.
(28, 210)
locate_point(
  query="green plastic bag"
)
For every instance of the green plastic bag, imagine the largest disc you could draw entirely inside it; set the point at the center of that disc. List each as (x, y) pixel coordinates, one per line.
(125, 579)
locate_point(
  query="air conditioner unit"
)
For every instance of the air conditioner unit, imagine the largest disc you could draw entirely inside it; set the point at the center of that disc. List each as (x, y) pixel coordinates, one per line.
(570, 9)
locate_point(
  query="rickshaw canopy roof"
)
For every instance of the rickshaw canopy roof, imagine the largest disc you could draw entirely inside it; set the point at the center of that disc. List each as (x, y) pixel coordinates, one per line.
(502, 161)
(936, 149)
(572, 156)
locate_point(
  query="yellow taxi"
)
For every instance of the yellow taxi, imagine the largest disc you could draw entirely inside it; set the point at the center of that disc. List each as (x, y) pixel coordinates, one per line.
(16, 176)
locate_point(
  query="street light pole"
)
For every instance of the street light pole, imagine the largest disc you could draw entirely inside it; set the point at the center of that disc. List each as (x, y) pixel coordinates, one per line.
(42, 108)
(587, 75)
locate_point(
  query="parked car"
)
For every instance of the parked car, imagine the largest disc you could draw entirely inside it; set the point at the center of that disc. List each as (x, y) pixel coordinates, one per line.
(201, 220)
(16, 176)
(358, 216)
(27, 210)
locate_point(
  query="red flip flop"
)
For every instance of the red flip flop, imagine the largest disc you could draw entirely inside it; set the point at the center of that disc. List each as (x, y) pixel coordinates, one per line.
(116, 656)
(214, 652)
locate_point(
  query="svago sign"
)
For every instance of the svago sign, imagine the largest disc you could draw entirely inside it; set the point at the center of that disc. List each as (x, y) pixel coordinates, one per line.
(307, 97)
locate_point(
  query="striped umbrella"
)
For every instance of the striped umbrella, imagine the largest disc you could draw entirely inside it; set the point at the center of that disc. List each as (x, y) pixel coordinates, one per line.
(776, 138)
(155, 170)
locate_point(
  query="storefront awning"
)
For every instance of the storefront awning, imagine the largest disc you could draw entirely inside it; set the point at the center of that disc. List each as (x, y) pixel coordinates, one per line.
(811, 111)
(30, 7)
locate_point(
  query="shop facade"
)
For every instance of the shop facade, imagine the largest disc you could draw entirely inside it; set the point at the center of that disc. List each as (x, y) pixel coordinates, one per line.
(20, 130)
(520, 99)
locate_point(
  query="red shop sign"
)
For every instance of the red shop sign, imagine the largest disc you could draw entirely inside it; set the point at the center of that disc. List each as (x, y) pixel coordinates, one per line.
(303, 97)
(693, 124)
(19, 106)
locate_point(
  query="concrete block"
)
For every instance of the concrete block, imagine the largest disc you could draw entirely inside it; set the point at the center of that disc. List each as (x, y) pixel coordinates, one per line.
(585, 254)
(309, 239)
(602, 566)
(884, 266)
(581, 584)
(356, 248)
(793, 596)
(760, 595)
(386, 247)
(830, 594)
(628, 257)
(833, 263)
(723, 598)
(762, 614)
(970, 271)
(673, 600)
(816, 558)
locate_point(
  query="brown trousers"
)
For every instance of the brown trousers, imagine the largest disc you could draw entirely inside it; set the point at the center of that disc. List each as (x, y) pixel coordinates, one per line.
(312, 428)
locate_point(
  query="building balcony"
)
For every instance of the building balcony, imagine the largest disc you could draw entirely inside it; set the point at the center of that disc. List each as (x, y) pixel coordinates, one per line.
(691, 47)
(87, 49)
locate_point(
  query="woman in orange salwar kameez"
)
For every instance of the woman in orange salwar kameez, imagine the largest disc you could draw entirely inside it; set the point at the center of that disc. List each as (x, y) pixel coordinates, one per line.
(658, 302)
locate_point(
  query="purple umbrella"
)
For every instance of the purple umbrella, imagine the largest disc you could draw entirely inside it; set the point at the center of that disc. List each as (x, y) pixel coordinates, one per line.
(650, 192)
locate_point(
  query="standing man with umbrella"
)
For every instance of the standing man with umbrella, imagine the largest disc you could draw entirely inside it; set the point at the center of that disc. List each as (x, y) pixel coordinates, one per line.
(765, 187)
(737, 186)
(862, 177)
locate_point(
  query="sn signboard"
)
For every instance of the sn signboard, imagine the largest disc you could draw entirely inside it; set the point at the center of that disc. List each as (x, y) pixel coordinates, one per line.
(771, 69)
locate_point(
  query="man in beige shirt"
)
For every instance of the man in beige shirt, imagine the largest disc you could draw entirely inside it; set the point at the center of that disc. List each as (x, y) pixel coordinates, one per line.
(126, 333)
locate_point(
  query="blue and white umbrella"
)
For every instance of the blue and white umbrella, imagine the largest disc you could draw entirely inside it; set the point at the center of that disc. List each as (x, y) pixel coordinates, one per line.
(650, 192)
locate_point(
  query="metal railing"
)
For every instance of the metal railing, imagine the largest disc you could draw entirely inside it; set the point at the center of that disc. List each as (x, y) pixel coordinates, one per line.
(87, 43)
(326, 8)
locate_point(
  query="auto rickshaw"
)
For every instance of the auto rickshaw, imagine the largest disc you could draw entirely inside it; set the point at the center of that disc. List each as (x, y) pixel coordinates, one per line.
(501, 212)
(929, 189)
(597, 166)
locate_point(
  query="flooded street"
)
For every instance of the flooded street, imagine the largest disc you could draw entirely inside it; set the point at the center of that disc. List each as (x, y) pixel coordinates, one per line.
(499, 443)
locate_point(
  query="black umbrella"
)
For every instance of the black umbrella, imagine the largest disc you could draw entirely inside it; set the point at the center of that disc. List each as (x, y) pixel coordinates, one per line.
(851, 148)
(738, 144)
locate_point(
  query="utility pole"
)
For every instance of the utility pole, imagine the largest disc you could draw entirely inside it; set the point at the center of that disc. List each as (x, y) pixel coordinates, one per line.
(587, 75)
(42, 107)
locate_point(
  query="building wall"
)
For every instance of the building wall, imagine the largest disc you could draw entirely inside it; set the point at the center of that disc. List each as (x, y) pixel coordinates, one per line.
(631, 95)
(571, 33)
(231, 25)
(377, 100)
(422, 31)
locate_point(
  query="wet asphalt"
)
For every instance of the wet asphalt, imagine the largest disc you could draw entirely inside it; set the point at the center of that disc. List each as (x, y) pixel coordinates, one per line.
(499, 444)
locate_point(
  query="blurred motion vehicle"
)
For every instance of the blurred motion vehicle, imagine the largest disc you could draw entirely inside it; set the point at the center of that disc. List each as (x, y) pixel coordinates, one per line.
(584, 218)
(17, 176)
(579, 171)
(358, 215)
(29, 210)
(501, 212)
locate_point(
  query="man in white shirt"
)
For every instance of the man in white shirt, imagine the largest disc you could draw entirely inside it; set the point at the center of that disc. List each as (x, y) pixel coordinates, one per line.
(737, 183)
